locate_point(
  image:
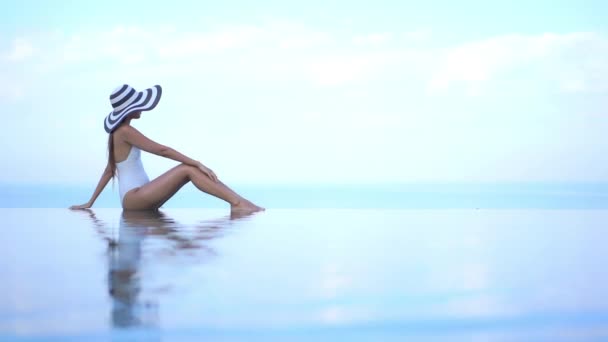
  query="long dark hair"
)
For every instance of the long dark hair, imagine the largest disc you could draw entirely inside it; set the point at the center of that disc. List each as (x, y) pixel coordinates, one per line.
(111, 158)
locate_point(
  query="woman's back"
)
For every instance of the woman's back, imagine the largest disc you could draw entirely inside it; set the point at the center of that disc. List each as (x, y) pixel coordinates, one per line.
(130, 170)
(121, 148)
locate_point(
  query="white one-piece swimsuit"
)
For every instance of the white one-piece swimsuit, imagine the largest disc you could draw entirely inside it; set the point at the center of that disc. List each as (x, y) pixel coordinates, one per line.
(131, 173)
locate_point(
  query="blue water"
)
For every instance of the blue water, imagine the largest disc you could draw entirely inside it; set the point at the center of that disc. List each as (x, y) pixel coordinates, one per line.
(304, 274)
(481, 262)
(382, 196)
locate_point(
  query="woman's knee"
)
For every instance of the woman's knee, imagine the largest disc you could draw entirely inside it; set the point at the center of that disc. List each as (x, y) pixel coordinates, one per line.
(186, 169)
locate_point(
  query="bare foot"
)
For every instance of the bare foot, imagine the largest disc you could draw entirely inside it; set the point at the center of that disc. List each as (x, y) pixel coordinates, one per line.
(257, 208)
(245, 206)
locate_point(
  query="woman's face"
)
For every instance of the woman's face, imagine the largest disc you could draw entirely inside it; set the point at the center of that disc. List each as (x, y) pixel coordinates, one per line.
(136, 115)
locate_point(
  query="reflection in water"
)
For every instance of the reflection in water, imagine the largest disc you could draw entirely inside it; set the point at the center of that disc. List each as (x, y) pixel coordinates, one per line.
(125, 253)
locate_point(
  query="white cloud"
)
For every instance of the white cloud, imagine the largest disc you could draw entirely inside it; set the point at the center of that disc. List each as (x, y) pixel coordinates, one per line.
(11, 91)
(574, 62)
(22, 49)
(570, 60)
(305, 40)
(185, 45)
(290, 35)
(272, 36)
(286, 51)
(121, 44)
(372, 39)
(379, 39)
(574, 85)
(340, 69)
(129, 44)
(418, 35)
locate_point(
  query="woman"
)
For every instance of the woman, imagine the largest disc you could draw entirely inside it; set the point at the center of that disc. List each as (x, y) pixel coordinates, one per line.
(137, 192)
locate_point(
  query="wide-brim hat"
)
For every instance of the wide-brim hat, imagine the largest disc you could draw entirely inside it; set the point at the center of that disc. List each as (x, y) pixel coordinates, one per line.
(126, 100)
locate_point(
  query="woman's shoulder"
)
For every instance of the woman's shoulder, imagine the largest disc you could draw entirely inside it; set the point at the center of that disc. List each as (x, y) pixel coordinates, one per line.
(120, 134)
(131, 136)
(124, 131)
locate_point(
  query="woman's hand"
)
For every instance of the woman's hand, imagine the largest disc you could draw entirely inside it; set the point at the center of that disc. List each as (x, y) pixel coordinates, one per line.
(82, 206)
(207, 171)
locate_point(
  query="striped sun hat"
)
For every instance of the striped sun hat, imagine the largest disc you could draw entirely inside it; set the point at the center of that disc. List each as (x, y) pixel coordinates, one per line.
(126, 100)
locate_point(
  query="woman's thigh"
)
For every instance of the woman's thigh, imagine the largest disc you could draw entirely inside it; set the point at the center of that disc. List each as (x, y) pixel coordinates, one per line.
(154, 194)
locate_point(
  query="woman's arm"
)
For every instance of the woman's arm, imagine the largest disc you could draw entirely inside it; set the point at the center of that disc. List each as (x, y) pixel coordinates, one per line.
(135, 138)
(103, 181)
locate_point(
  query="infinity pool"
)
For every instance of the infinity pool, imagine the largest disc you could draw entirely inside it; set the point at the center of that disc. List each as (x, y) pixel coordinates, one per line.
(310, 274)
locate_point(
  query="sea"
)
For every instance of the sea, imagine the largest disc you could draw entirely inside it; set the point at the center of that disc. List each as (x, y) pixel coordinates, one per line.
(565, 195)
(390, 262)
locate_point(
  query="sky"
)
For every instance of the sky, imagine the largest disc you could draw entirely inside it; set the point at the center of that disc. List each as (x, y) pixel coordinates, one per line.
(312, 92)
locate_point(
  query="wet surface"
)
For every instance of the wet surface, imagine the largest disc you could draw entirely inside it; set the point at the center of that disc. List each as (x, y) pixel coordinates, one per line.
(187, 274)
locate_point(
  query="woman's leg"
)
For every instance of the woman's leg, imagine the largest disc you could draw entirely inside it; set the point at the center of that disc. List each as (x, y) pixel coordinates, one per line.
(158, 191)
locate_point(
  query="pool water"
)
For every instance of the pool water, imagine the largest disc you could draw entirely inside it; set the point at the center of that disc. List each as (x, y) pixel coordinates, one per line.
(304, 274)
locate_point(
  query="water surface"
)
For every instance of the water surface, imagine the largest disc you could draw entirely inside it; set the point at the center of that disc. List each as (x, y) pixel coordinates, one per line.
(302, 274)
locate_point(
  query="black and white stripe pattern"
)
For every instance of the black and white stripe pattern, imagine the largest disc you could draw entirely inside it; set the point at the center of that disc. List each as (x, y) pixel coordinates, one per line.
(126, 100)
